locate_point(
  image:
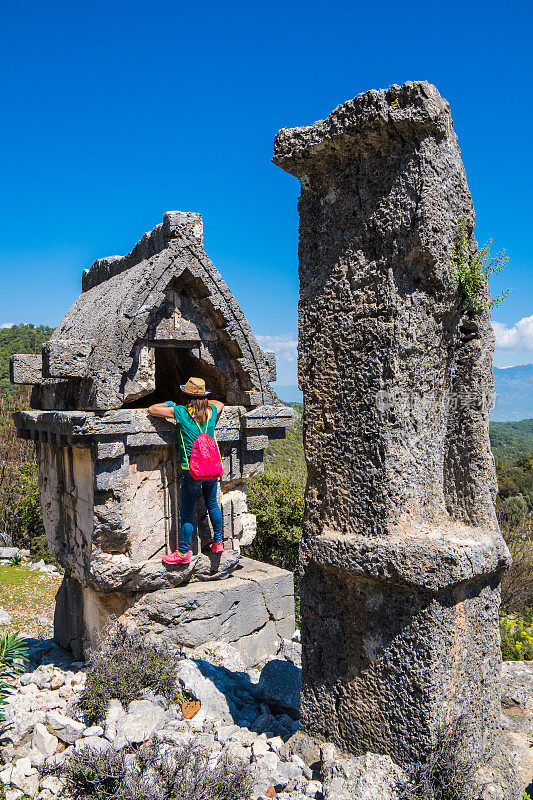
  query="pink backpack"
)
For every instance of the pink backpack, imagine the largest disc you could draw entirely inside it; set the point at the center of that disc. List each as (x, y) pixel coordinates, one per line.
(205, 463)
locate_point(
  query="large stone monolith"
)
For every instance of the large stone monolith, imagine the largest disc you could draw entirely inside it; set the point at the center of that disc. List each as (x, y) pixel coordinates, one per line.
(401, 554)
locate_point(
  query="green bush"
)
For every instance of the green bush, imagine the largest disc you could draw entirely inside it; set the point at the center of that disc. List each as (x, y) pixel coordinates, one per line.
(277, 500)
(517, 637)
(472, 273)
(122, 666)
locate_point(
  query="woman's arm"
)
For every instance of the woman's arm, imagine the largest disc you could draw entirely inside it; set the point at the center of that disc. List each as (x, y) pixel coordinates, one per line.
(161, 410)
(218, 405)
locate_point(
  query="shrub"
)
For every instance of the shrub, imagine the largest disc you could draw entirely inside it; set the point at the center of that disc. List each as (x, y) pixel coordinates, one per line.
(21, 521)
(183, 773)
(517, 582)
(13, 655)
(471, 273)
(448, 772)
(122, 666)
(517, 637)
(277, 500)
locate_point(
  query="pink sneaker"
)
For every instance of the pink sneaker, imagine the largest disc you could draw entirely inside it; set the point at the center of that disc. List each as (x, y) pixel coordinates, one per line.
(217, 547)
(177, 558)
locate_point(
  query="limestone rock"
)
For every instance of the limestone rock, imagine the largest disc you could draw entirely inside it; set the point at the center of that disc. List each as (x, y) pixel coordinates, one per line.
(213, 688)
(395, 368)
(44, 741)
(65, 728)
(280, 686)
(365, 778)
(141, 721)
(221, 654)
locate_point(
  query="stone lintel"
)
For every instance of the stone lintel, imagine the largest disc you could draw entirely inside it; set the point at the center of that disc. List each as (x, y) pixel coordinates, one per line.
(26, 368)
(432, 561)
(270, 417)
(145, 431)
(411, 109)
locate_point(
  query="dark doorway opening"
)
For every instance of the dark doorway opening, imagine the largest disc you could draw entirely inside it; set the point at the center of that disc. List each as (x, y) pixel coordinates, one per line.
(173, 367)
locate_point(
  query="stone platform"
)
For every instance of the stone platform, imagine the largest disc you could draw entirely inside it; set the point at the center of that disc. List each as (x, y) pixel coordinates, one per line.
(253, 610)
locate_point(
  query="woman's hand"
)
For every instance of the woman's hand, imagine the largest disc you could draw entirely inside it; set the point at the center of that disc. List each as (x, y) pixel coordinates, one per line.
(161, 410)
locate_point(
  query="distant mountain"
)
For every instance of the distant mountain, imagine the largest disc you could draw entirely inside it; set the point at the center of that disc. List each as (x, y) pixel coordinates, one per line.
(514, 393)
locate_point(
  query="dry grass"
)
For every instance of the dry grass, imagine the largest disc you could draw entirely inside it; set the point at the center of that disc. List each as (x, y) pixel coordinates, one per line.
(29, 597)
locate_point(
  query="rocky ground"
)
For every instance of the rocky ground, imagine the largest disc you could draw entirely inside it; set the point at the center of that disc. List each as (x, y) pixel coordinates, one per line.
(250, 715)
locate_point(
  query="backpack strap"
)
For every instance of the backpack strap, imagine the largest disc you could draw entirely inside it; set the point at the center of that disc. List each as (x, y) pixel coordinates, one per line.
(184, 449)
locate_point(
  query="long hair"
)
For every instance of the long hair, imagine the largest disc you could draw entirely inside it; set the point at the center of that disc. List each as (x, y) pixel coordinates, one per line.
(197, 407)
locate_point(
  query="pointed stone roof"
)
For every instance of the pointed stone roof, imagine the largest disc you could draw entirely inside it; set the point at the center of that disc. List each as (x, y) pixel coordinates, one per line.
(165, 295)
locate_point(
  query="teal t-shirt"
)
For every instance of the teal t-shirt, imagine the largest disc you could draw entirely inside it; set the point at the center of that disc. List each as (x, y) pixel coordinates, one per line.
(188, 428)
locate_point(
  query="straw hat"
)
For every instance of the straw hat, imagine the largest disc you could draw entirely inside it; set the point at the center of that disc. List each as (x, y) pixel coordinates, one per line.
(195, 387)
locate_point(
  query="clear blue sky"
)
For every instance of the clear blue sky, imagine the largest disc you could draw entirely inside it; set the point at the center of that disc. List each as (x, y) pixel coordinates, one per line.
(116, 112)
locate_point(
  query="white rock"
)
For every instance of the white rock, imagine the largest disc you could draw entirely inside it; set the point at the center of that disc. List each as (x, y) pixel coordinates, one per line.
(225, 732)
(297, 636)
(14, 794)
(65, 728)
(142, 720)
(314, 789)
(221, 654)
(5, 775)
(5, 618)
(57, 680)
(52, 783)
(260, 747)
(94, 730)
(92, 741)
(24, 766)
(36, 757)
(295, 759)
(275, 743)
(114, 713)
(236, 752)
(268, 760)
(44, 741)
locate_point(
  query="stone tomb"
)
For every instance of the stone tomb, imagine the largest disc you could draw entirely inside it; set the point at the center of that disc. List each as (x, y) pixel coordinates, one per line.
(109, 473)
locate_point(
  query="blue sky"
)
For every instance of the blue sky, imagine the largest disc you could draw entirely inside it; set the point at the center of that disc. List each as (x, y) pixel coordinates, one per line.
(116, 112)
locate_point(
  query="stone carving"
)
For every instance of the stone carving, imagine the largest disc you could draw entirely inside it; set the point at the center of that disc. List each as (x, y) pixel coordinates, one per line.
(109, 475)
(401, 554)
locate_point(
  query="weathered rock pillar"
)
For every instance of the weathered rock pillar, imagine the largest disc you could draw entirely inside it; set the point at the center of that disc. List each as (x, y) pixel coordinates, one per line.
(401, 554)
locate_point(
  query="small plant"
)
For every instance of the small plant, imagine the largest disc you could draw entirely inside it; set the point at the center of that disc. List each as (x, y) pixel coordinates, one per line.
(526, 796)
(517, 636)
(13, 656)
(472, 273)
(121, 667)
(448, 773)
(186, 773)
(16, 560)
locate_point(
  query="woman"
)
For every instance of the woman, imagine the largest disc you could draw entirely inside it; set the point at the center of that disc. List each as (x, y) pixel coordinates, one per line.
(197, 416)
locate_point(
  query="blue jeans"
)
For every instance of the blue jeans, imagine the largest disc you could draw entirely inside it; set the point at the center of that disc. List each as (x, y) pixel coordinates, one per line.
(189, 492)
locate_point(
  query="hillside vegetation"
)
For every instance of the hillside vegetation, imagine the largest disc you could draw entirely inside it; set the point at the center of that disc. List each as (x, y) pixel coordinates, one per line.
(509, 440)
(19, 339)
